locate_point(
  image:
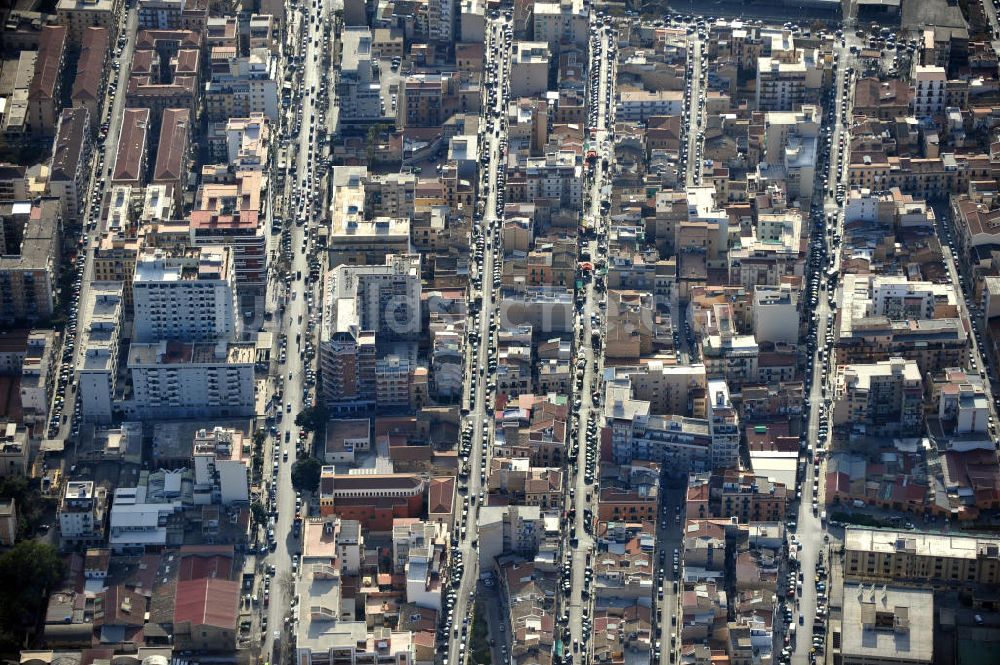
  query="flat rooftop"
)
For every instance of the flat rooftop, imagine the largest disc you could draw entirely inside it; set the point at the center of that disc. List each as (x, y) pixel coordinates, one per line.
(889, 623)
(925, 544)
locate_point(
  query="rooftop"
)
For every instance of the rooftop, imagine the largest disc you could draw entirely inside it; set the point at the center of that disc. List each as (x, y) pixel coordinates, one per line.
(69, 144)
(131, 156)
(186, 353)
(924, 544)
(888, 623)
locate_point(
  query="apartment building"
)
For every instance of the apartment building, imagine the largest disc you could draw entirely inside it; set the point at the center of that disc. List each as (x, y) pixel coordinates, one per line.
(789, 76)
(13, 451)
(508, 530)
(362, 303)
(191, 379)
(791, 148)
(441, 21)
(88, 86)
(70, 163)
(553, 179)
(529, 69)
(419, 553)
(929, 83)
(724, 426)
(883, 317)
(776, 314)
(233, 214)
(114, 261)
(38, 378)
(358, 87)
(534, 428)
(627, 505)
(172, 14)
(97, 362)
(428, 100)
(172, 155)
(241, 86)
(327, 633)
(80, 15)
(677, 442)
(45, 91)
(368, 217)
(248, 143)
(886, 625)
(735, 493)
(82, 513)
(919, 558)
(13, 184)
(28, 266)
(188, 295)
(731, 356)
(131, 158)
(641, 105)
(561, 23)
(962, 403)
(668, 388)
(545, 309)
(144, 517)
(880, 399)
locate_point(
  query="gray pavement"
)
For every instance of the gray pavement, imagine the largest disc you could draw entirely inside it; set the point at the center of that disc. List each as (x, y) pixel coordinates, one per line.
(481, 407)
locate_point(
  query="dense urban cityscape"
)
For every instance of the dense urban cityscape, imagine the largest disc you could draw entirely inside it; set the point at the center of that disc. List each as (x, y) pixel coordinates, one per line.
(514, 332)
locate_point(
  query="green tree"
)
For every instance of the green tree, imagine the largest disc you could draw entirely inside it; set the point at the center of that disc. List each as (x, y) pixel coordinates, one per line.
(305, 474)
(312, 418)
(259, 513)
(28, 573)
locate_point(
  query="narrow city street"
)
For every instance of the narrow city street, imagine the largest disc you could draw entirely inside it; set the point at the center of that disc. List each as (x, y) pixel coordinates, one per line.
(478, 397)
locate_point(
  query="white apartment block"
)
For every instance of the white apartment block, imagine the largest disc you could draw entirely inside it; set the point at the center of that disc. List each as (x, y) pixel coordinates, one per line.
(776, 314)
(561, 22)
(97, 362)
(139, 514)
(386, 297)
(640, 105)
(81, 513)
(529, 69)
(724, 425)
(358, 89)
(556, 176)
(37, 376)
(419, 553)
(929, 83)
(188, 295)
(896, 297)
(789, 76)
(184, 380)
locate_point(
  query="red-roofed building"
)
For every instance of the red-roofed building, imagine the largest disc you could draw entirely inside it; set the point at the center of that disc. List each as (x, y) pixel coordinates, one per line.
(172, 154)
(44, 92)
(131, 158)
(441, 500)
(206, 561)
(88, 88)
(375, 500)
(205, 614)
